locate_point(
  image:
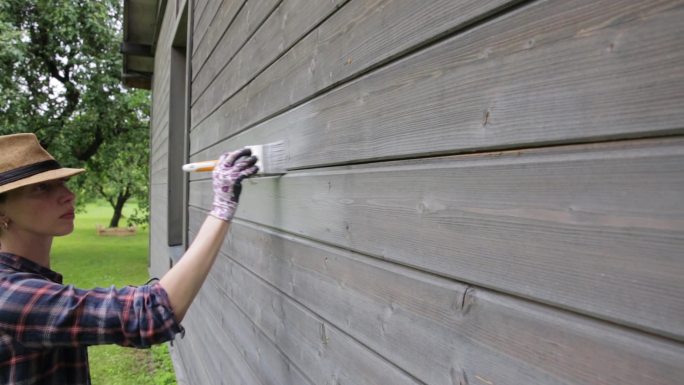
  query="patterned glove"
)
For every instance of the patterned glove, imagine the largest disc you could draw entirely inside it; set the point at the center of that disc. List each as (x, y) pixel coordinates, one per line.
(230, 170)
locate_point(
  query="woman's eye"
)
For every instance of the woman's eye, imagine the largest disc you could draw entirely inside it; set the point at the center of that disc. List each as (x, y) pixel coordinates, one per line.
(50, 186)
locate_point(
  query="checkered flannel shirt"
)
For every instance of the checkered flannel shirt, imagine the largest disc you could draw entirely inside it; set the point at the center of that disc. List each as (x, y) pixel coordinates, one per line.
(45, 326)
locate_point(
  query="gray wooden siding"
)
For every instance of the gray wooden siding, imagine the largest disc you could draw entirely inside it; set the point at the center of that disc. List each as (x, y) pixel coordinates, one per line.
(480, 192)
(284, 26)
(435, 329)
(528, 223)
(549, 73)
(159, 144)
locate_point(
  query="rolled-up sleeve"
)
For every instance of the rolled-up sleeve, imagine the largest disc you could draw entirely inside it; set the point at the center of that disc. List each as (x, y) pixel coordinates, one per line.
(41, 313)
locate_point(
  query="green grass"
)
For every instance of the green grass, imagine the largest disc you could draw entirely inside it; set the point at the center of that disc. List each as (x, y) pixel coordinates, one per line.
(88, 260)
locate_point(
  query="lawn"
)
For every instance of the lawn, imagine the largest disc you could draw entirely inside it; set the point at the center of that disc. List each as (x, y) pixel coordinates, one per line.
(88, 260)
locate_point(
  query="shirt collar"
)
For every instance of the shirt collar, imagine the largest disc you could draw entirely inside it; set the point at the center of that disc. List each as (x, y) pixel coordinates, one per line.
(25, 265)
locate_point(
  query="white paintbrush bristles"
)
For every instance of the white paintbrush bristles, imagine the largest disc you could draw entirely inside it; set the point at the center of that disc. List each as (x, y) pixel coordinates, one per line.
(271, 160)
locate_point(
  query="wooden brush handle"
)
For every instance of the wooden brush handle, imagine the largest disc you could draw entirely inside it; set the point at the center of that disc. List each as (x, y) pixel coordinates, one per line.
(200, 166)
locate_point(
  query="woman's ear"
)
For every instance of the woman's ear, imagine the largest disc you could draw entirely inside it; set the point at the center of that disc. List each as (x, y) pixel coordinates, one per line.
(4, 219)
(3, 216)
(4, 223)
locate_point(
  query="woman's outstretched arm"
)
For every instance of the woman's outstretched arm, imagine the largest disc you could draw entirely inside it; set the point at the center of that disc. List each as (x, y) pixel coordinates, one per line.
(184, 280)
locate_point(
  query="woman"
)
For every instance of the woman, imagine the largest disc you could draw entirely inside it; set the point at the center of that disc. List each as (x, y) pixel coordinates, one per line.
(45, 326)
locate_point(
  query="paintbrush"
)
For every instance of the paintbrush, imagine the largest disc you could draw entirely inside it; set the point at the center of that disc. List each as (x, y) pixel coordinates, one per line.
(270, 160)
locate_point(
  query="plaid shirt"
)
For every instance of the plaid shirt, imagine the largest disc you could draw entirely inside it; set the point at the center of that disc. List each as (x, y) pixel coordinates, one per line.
(45, 327)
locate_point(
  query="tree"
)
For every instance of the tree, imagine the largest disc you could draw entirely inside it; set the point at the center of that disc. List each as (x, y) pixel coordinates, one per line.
(59, 78)
(118, 171)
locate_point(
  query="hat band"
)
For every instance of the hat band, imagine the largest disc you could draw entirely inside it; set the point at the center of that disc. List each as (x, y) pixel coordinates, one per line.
(27, 171)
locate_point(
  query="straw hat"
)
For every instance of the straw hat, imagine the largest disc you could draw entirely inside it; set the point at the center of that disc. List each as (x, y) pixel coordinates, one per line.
(23, 162)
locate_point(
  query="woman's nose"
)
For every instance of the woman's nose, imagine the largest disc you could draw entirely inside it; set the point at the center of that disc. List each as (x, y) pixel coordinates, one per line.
(66, 195)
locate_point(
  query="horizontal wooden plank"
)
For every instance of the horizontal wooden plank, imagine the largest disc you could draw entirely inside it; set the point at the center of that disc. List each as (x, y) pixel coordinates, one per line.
(439, 331)
(159, 176)
(159, 142)
(158, 135)
(160, 123)
(159, 159)
(454, 332)
(162, 51)
(594, 228)
(298, 334)
(159, 171)
(162, 256)
(550, 72)
(198, 7)
(159, 166)
(225, 355)
(206, 44)
(182, 358)
(158, 194)
(158, 261)
(161, 66)
(291, 20)
(158, 254)
(197, 358)
(165, 31)
(357, 297)
(159, 114)
(260, 356)
(205, 19)
(352, 40)
(177, 361)
(160, 94)
(160, 131)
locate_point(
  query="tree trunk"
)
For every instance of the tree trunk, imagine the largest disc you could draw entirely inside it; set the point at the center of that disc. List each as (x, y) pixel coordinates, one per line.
(118, 209)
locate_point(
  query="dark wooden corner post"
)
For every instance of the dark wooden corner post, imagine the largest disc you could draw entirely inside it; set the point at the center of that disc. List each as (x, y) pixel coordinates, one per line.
(179, 126)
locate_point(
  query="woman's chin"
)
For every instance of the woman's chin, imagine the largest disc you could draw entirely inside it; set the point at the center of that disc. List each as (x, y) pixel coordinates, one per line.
(64, 230)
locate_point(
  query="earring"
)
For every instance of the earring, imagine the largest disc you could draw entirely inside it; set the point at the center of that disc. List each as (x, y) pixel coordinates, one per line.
(5, 225)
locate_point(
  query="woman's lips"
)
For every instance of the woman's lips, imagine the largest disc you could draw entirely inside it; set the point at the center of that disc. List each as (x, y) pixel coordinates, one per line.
(69, 215)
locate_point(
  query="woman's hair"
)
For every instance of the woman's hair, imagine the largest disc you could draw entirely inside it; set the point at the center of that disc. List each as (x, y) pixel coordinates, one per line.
(3, 197)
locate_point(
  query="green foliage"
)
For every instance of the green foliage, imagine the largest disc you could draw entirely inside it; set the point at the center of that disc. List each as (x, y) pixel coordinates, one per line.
(88, 260)
(119, 169)
(59, 78)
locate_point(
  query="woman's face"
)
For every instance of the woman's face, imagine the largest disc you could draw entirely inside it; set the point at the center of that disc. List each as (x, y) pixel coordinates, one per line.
(45, 208)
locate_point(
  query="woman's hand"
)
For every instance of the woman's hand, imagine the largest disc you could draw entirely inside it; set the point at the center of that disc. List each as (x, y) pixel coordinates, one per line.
(229, 172)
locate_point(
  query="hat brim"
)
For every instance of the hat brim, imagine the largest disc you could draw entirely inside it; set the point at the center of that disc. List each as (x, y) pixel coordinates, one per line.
(42, 177)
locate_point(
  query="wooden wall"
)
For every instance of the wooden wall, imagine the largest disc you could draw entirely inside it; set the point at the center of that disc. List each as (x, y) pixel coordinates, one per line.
(159, 153)
(480, 191)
